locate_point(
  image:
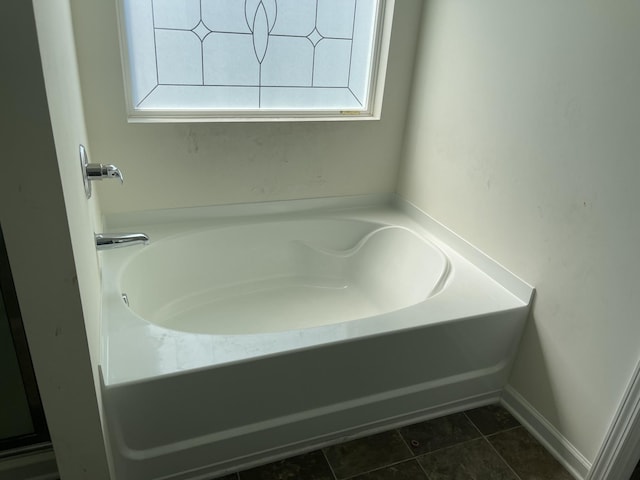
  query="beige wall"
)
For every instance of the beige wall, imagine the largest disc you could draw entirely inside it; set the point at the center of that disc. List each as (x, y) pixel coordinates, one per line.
(55, 33)
(524, 139)
(177, 165)
(48, 227)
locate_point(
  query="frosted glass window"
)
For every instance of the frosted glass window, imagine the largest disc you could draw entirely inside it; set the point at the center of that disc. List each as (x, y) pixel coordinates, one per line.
(213, 56)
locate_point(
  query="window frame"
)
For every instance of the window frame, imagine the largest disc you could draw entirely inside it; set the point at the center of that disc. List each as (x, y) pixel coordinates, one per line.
(381, 43)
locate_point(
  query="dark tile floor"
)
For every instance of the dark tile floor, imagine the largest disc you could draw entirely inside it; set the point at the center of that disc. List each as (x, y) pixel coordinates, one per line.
(483, 443)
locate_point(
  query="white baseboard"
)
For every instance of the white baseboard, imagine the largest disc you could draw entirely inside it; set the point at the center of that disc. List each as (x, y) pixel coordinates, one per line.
(619, 452)
(561, 448)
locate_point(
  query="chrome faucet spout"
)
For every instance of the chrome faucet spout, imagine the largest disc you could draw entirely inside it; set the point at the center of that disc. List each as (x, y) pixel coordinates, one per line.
(106, 241)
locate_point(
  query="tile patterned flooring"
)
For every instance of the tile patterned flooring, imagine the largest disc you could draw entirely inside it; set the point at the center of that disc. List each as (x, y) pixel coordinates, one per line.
(483, 443)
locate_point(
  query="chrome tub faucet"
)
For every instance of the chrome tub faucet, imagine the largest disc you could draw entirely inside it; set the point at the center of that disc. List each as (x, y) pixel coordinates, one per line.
(106, 241)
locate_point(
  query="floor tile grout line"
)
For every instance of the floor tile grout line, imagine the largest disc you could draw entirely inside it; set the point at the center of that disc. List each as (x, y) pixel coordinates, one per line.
(411, 457)
(438, 450)
(415, 457)
(404, 440)
(495, 434)
(422, 468)
(472, 423)
(481, 438)
(392, 464)
(486, 439)
(447, 446)
(464, 442)
(503, 431)
(503, 459)
(335, 477)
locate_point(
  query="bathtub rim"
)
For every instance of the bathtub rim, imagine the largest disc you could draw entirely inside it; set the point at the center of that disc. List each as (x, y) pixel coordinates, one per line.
(232, 363)
(119, 221)
(501, 274)
(441, 275)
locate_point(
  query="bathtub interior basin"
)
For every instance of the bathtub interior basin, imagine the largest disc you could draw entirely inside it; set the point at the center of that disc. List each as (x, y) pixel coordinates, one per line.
(282, 275)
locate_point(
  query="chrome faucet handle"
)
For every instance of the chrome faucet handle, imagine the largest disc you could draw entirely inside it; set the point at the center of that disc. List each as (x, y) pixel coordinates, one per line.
(98, 171)
(113, 172)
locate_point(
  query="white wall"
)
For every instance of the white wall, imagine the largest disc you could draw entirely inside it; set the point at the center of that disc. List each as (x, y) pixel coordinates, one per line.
(176, 165)
(48, 227)
(57, 50)
(524, 138)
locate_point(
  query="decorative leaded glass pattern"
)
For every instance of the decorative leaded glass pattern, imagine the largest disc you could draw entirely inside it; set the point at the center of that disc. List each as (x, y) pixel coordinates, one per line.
(282, 55)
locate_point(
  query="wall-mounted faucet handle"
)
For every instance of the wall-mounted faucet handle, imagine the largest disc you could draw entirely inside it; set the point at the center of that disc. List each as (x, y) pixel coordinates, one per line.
(98, 171)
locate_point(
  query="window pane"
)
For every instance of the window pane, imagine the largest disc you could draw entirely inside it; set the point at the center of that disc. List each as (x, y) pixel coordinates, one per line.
(189, 55)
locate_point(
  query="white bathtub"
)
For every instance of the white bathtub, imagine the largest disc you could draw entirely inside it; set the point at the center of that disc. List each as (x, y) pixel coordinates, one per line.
(258, 331)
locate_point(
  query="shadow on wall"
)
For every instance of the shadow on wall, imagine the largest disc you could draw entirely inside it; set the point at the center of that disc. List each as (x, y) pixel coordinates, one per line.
(531, 364)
